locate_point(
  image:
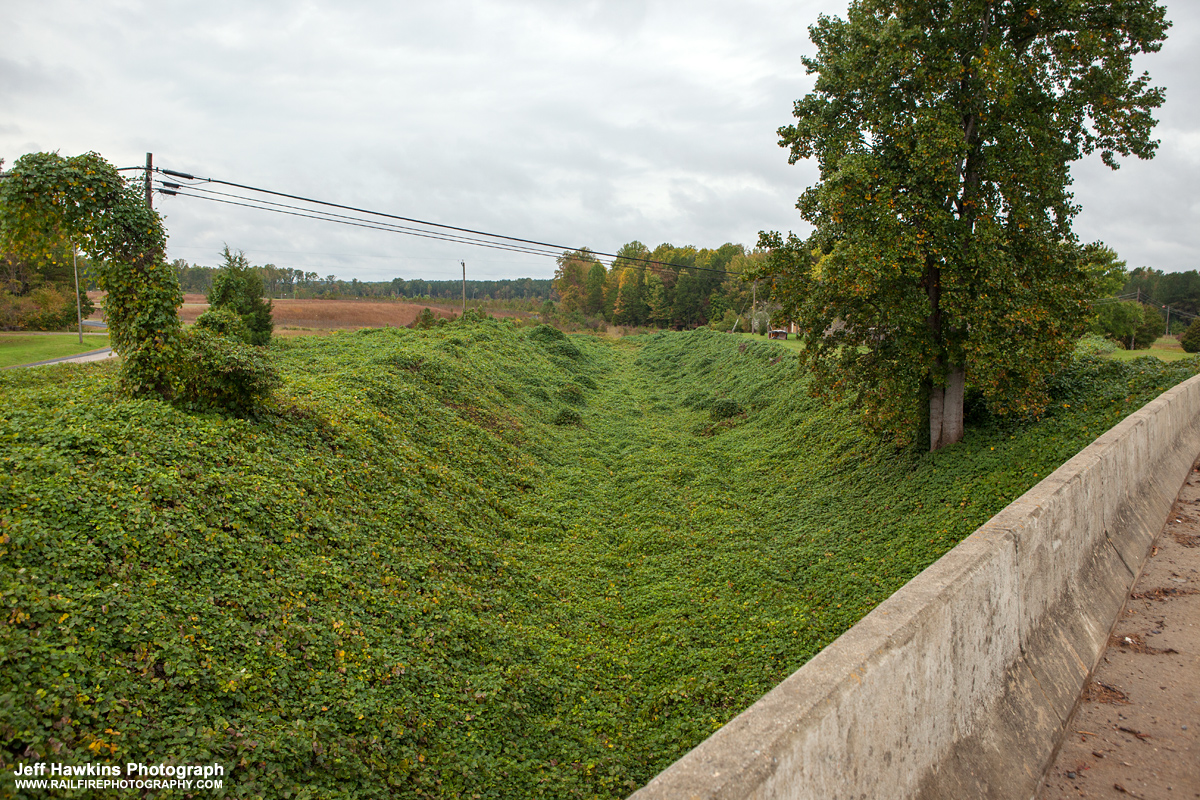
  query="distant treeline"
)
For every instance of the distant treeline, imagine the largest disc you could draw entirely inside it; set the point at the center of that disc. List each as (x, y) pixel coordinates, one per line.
(1136, 307)
(1179, 290)
(285, 282)
(667, 287)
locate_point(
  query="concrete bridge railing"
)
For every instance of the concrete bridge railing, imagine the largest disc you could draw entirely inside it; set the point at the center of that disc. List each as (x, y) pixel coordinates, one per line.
(961, 683)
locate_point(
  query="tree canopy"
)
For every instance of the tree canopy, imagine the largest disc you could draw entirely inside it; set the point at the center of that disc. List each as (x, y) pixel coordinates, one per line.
(943, 251)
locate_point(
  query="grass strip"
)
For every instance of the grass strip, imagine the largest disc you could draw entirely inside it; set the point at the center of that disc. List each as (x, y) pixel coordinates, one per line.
(17, 349)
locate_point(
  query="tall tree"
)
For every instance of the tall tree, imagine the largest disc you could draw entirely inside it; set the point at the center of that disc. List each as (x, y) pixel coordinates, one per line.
(658, 309)
(1110, 271)
(631, 254)
(630, 307)
(943, 249)
(570, 278)
(594, 290)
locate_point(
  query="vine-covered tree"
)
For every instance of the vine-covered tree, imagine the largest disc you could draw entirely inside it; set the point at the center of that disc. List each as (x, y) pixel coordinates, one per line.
(943, 251)
(47, 198)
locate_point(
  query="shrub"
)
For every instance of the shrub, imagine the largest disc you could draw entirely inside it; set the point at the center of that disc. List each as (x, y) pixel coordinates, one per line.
(472, 315)
(424, 321)
(225, 322)
(51, 307)
(220, 373)
(547, 333)
(555, 342)
(1093, 344)
(726, 322)
(1191, 337)
(43, 309)
(239, 287)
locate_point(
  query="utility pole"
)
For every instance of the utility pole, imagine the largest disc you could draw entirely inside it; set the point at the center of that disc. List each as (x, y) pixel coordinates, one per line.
(464, 266)
(78, 303)
(149, 181)
(1168, 331)
(1132, 335)
(754, 308)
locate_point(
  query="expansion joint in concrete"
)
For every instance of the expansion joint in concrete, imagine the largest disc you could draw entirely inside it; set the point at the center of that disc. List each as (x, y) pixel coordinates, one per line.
(1062, 720)
(1117, 551)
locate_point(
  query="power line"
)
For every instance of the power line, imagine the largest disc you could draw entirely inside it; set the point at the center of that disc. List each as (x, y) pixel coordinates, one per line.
(557, 248)
(363, 224)
(1149, 302)
(523, 246)
(389, 226)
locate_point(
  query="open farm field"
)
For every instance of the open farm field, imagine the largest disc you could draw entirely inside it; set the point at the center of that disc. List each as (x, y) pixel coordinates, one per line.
(331, 314)
(475, 561)
(27, 348)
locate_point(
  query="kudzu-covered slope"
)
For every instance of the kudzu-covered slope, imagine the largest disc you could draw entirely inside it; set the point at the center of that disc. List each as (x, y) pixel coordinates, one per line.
(471, 561)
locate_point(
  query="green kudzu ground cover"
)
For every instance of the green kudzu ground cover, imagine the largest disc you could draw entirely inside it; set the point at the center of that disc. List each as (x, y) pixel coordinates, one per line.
(472, 561)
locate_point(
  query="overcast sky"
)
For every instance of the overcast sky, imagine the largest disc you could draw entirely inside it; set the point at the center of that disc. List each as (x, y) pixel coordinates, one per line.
(582, 124)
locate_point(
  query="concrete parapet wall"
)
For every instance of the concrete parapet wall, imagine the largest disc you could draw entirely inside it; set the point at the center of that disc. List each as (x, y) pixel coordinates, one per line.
(960, 684)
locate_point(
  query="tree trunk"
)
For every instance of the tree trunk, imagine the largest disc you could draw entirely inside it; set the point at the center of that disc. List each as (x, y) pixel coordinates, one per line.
(937, 397)
(946, 409)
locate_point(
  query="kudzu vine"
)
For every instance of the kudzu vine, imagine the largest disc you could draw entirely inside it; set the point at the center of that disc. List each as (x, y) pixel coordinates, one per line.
(47, 197)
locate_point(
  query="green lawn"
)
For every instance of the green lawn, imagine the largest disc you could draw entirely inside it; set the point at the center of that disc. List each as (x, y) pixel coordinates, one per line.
(1153, 352)
(1167, 348)
(18, 349)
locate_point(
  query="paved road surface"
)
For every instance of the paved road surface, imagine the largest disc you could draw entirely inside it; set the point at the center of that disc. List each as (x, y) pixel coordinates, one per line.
(91, 355)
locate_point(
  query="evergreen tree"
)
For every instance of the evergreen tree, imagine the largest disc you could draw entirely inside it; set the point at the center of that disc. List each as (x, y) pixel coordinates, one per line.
(1149, 330)
(239, 288)
(687, 310)
(1191, 337)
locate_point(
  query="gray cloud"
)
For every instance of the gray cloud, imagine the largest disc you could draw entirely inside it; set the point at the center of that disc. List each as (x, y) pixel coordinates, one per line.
(587, 123)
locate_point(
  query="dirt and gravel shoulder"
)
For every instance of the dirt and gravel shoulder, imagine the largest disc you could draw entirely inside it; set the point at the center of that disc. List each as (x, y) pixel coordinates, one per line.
(1136, 730)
